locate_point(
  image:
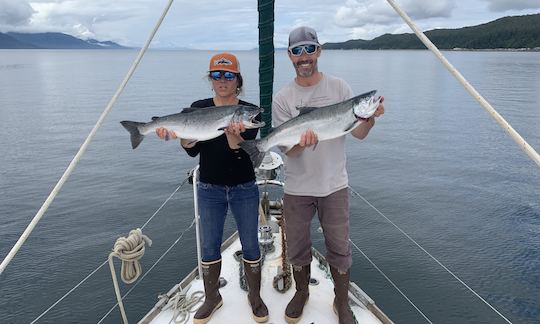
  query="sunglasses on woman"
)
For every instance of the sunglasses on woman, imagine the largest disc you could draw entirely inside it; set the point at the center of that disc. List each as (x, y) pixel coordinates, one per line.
(217, 75)
(309, 49)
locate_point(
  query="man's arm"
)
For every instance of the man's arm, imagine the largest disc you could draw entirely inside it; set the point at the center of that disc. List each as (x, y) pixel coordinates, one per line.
(363, 129)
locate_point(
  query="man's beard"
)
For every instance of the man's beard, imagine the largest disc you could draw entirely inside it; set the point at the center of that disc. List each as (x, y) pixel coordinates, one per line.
(303, 71)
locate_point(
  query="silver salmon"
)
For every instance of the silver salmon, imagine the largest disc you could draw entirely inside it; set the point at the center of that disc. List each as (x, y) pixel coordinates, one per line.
(327, 122)
(197, 124)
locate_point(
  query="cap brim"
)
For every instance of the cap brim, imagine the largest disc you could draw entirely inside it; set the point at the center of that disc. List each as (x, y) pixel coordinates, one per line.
(304, 43)
(223, 68)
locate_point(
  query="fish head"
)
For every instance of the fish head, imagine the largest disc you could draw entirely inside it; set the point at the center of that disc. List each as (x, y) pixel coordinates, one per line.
(364, 105)
(246, 115)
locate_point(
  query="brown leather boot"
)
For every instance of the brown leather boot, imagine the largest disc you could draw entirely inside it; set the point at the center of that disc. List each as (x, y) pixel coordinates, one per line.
(213, 300)
(295, 308)
(341, 301)
(259, 310)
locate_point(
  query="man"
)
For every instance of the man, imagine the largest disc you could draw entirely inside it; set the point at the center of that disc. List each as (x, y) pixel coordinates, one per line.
(316, 178)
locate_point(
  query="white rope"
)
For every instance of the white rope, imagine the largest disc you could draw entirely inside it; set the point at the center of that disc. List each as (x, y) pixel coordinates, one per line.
(128, 249)
(105, 262)
(183, 305)
(149, 270)
(390, 281)
(472, 91)
(83, 147)
(429, 254)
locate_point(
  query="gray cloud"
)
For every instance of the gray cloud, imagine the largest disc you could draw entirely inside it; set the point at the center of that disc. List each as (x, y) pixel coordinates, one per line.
(357, 13)
(503, 5)
(220, 25)
(15, 13)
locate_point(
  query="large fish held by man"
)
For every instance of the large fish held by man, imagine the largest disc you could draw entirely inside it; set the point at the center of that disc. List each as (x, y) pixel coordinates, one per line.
(327, 122)
(196, 124)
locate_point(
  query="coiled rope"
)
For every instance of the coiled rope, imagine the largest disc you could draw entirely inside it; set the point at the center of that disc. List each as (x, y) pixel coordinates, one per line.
(128, 249)
(151, 268)
(183, 305)
(83, 147)
(105, 262)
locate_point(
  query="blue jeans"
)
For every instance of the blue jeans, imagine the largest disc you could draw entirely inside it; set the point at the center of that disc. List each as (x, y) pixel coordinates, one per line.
(214, 201)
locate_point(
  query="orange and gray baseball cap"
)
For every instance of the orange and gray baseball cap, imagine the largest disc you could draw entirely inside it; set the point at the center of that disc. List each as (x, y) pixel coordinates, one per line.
(224, 62)
(303, 36)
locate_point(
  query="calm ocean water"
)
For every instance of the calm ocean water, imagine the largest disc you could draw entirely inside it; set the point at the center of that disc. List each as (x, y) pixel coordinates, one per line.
(436, 164)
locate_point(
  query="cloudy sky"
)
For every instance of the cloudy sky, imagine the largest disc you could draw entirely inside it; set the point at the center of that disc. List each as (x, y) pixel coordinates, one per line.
(232, 24)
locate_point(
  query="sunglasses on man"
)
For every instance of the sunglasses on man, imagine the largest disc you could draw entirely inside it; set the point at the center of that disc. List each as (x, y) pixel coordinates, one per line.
(310, 49)
(217, 75)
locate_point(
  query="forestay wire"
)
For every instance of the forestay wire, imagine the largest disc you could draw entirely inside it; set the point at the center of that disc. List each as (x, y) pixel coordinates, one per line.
(391, 282)
(105, 262)
(83, 147)
(429, 254)
(529, 150)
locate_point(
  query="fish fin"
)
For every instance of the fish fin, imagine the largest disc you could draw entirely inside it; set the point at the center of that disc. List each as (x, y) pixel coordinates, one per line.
(250, 147)
(305, 110)
(133, 129)
(188, 110)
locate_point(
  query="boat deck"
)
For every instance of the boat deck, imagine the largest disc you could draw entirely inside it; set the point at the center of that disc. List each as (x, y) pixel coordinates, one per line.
(236, 309)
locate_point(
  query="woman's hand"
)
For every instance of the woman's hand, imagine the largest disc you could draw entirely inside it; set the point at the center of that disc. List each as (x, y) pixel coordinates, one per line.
(165, 134)
(235, 128)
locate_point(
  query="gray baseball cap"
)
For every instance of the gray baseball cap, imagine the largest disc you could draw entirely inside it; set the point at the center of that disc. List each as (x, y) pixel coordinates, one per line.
(303, 36)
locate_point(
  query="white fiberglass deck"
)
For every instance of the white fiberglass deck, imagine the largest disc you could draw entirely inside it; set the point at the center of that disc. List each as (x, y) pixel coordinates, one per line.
(236, 309)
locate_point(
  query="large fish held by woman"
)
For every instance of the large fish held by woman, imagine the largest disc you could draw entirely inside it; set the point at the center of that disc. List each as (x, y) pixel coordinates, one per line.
(197, 124)
(327, 122)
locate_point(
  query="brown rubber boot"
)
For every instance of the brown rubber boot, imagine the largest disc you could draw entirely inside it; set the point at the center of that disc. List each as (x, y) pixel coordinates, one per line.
(341, 302)
(213, 300)
(295, 308)
(259, 310)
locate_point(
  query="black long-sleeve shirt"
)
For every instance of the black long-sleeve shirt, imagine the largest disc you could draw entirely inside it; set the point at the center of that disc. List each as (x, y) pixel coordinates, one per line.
(219, 164)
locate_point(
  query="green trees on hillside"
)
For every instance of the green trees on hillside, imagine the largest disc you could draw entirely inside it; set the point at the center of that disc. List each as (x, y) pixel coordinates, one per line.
(507, 32)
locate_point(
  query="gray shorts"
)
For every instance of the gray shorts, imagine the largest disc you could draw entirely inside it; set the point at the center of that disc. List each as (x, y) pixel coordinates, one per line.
(333, 212)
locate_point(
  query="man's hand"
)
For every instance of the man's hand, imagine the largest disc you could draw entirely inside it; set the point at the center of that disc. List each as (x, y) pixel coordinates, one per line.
(380, 108)
(308, 138)
(363, 129)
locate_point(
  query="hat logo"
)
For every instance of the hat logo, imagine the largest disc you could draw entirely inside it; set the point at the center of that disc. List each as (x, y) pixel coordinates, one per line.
(222, 61)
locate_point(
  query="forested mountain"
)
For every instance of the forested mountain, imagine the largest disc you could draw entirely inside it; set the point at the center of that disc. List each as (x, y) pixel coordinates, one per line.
(504, 33)
(51, 41)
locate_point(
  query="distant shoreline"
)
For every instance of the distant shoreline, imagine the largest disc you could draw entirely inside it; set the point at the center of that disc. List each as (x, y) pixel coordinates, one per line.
(440, 49)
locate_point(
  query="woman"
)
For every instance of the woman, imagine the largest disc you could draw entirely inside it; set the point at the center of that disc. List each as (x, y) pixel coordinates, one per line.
(227, 180)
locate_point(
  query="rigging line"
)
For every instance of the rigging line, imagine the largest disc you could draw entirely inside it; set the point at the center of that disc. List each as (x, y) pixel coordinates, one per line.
(104, 262)
(430, 255)
(390, 281)
(149, 270)
(529, 150)
(83, 147)
(165, 202)
(68, 293)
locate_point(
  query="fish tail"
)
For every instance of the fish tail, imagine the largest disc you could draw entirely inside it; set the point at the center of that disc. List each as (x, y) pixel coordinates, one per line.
(133, 129)
(252, 149)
